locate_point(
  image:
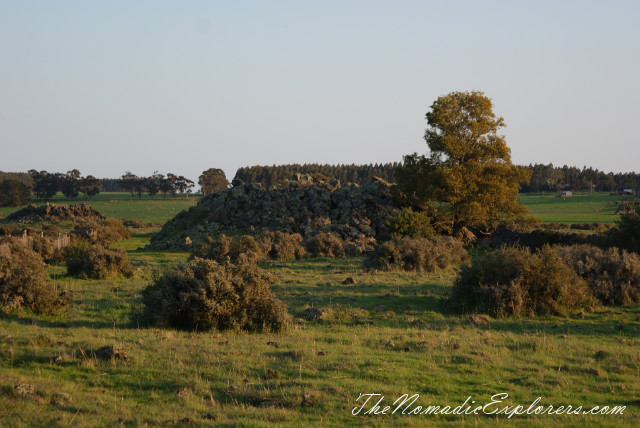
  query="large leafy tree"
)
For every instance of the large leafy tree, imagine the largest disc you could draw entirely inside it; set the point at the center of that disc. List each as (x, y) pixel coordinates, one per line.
(467, 177)
(211, 180)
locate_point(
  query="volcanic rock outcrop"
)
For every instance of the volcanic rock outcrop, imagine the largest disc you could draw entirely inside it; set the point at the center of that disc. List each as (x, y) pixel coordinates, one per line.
(355, 213)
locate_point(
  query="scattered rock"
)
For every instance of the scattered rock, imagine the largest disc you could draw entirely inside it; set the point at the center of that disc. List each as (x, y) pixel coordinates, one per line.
(478, 319)
(307, 400)
(26, 390)
(271, 374)
(184, 392)
(61, 399)
(269, 402)
(312, 314)
(379, 308)
(592, 371)
(601, 354)
(109, 353)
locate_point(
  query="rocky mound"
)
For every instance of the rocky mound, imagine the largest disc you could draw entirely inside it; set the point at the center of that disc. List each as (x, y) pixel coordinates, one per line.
(52, 212)
(355, 213)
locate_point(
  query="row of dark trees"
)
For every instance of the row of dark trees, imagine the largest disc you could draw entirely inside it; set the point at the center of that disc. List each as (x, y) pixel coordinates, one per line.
(45, 184)
(14, 193)
(71, 184)
(549, 178)
(360, 174)
(170, 184)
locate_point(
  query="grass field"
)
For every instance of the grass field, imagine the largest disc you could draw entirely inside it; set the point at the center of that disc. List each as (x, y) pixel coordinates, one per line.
(389, 333)
(120, 205)
(580, 208)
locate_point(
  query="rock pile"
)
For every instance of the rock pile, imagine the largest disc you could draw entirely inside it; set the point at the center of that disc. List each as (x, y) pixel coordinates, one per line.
(355, 213)
(51, 212)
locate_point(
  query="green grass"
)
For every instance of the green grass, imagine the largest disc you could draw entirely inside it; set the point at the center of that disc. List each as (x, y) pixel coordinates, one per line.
(580, 208)
(390, 333)
(121, 206)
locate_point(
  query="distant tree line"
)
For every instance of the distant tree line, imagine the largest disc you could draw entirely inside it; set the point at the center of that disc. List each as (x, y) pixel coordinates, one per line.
(359, 174)
(157, 183)
(549, 178)
(47, 184)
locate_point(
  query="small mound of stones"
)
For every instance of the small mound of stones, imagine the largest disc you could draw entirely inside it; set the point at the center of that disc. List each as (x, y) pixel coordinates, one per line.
(52, 212)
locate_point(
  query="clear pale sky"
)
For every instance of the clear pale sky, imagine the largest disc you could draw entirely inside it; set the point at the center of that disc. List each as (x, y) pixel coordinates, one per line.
(182, 86)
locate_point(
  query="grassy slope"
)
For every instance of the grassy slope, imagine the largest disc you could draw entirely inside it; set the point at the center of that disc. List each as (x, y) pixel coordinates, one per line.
(174, 375)
(120, 205)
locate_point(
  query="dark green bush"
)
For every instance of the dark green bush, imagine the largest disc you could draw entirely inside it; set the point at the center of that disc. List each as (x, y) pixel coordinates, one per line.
(410, 223)
(205, 295)
(222, 249)
(282, 246)
(418, 254)
(613, 275)
(325, 245)
(24, 283)
(88, 260)
(626, 234)
(515, 282)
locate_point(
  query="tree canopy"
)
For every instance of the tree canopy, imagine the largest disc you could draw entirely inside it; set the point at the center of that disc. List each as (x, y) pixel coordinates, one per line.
(211, 180)
(468, 173)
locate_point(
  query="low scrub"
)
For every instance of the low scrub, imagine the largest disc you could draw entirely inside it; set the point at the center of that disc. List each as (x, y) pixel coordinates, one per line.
(325, 245)
(204, 295)
(413, 224)
(223, 249)
(88, 260)
(24, 283)
(514, 281)
(282, 246)
(418, 254)
(613, 275)
(105, 232)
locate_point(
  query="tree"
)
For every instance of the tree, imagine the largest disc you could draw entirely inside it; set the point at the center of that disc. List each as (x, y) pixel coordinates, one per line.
(13, 193)
(90, 186)
(129, 182)
(45, 185)
(469, 170)
(211, 180)
(70, 183)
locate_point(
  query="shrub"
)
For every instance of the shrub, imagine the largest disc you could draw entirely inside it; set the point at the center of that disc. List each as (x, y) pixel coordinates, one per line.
(245, 250)
(87, 260)
(410, 223)
(205, 295)
(612, 275)
(418, 254)
(282, 246)
(325, 245)
(515, 282)
(626, 234)
(105, 232)
(213, 248)
(46, 248)
(24, 282)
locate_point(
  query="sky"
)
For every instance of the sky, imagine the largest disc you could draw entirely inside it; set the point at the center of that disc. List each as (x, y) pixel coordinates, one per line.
(183, 86)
